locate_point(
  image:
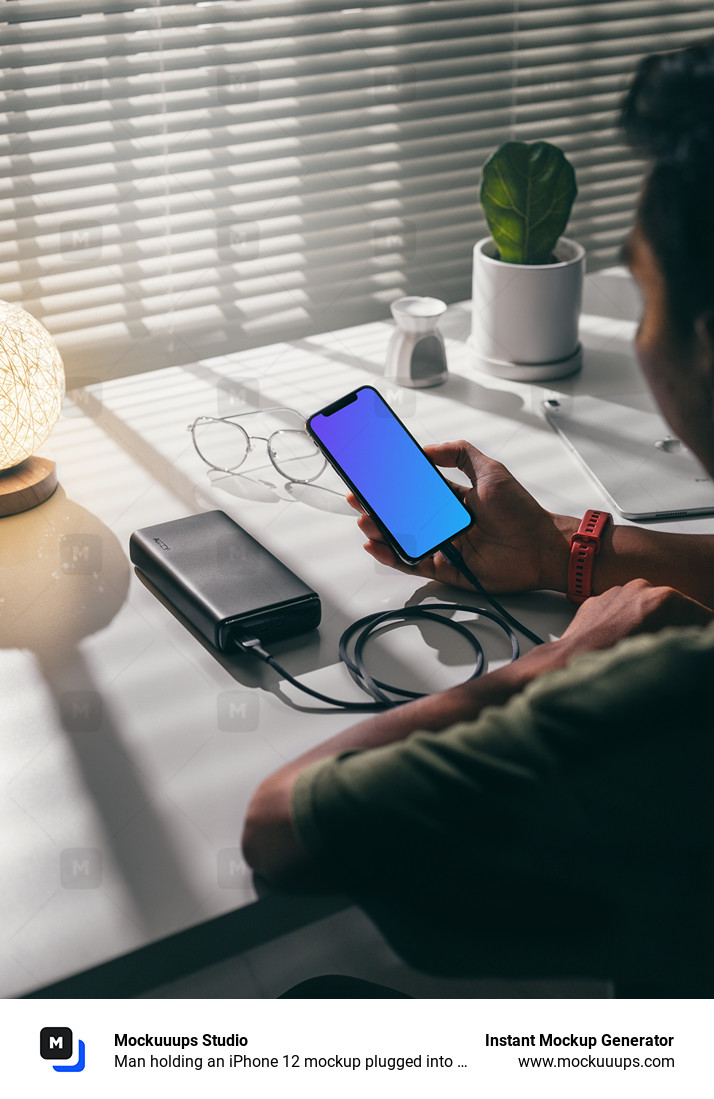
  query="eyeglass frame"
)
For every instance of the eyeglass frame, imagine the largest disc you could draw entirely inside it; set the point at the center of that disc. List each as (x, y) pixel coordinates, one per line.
(263, 438)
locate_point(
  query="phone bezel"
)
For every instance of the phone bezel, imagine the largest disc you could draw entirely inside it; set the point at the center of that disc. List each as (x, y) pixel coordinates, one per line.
(336, 406)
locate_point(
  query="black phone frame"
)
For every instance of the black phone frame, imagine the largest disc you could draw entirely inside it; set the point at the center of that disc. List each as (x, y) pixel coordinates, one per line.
(336, 406)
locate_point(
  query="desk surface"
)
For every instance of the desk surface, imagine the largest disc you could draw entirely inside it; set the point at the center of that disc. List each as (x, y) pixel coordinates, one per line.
(130, 749)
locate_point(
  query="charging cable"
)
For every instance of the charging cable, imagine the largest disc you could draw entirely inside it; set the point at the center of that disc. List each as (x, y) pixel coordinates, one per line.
(452, 555)
(356, 636)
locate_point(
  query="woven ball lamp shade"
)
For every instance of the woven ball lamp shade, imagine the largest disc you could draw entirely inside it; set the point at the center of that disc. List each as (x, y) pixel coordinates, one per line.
(31, 393)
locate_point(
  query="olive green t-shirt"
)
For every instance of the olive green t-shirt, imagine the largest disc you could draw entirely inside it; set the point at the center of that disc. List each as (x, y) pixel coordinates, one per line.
(571, 829)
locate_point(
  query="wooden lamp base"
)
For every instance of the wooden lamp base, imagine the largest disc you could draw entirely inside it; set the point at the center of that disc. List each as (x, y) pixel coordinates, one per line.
(26, 485)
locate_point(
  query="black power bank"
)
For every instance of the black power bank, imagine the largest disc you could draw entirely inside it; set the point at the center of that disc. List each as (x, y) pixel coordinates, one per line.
(223, 581)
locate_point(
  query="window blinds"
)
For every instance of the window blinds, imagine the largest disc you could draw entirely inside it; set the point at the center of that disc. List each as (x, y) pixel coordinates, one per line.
(190, 178)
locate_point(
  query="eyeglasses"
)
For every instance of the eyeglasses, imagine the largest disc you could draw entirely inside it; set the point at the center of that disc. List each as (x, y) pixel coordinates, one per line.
(224, 444)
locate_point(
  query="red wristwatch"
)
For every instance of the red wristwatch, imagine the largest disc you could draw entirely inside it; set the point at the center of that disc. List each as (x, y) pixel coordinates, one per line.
(584, 545)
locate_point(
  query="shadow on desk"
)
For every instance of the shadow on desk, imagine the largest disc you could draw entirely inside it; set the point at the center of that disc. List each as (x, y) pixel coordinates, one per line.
(246, 670)
(68, 579)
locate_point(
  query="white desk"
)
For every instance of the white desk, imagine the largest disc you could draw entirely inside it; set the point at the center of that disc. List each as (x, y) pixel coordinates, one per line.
(129, 749)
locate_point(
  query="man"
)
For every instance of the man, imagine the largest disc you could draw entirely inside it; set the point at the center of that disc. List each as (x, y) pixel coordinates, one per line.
(559, 807)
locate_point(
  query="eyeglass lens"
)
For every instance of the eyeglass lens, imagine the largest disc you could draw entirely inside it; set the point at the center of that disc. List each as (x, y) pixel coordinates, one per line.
(224, 444)
(221, 443)
(295, 455)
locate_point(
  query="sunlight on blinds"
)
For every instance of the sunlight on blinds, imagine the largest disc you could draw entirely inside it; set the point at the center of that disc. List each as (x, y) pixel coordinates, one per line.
(189, 179)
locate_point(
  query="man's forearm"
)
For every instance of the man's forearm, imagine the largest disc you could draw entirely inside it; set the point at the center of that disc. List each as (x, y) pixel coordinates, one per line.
(681, 561)
(270, 844)
(439, 711)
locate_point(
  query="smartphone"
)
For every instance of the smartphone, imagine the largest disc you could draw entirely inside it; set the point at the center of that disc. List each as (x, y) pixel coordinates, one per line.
(413, 505)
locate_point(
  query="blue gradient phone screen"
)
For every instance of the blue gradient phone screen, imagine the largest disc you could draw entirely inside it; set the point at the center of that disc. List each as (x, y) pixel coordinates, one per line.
(391, 473)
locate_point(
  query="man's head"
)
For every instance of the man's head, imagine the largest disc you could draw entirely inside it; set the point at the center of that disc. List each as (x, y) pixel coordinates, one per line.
(668, 115)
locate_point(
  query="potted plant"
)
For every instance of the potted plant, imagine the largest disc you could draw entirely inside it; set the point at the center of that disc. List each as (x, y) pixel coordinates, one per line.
(527, 278)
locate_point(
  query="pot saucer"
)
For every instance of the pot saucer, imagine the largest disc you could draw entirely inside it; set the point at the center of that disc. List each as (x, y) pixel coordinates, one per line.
(530, 372)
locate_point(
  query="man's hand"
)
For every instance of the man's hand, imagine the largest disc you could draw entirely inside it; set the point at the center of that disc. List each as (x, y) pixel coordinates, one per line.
(513, 544)
(637, 607)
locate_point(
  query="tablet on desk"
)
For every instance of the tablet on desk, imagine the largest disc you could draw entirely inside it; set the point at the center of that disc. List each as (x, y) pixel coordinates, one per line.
(631, 453)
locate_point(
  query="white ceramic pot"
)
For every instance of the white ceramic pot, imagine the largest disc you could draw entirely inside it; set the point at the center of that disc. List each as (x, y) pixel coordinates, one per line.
(525, 316)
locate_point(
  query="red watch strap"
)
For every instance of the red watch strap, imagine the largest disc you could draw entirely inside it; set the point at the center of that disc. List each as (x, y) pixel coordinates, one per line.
(584, 545)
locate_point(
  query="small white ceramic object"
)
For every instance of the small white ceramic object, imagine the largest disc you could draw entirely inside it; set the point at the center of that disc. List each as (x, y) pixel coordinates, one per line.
(416, 356)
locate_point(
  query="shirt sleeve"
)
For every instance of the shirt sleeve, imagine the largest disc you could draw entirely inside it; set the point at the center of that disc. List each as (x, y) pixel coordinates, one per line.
(552, 802)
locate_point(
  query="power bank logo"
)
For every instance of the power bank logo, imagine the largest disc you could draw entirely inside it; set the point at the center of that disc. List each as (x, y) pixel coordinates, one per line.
(56, 1045)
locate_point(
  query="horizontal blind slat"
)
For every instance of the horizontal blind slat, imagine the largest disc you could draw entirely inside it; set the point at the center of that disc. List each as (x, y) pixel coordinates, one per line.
(186, 178)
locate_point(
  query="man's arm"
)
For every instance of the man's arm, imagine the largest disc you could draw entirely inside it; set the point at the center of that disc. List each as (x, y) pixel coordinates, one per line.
(271, 845)
(681, 561)
(516, 545)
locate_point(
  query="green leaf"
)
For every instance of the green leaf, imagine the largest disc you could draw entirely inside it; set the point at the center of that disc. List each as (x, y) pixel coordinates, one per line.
(527, 193)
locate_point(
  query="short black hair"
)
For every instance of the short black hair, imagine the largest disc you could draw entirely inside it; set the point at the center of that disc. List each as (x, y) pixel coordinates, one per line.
(668, 116)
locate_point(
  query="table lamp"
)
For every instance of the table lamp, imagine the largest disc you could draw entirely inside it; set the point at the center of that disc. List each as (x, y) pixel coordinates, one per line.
(31, 393)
